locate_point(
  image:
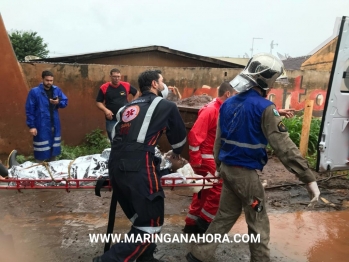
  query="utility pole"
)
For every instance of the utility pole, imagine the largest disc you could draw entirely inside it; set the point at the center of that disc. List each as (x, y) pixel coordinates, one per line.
(272, 46)
(253, 43)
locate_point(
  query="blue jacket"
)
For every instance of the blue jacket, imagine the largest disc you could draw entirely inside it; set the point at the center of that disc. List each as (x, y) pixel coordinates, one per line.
(47, 142)
(242, 140)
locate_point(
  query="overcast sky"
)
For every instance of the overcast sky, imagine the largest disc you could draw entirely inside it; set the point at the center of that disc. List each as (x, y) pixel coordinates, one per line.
(203, 27)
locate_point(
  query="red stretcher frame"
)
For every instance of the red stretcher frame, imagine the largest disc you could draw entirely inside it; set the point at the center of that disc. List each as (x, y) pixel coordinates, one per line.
(79, 184)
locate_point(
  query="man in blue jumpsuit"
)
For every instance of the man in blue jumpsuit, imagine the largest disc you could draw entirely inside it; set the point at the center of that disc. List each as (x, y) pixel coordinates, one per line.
(43, 121)
(246, 124)
(134, 169)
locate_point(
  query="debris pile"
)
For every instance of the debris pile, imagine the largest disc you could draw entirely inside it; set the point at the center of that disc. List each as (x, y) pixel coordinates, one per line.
(195, 101)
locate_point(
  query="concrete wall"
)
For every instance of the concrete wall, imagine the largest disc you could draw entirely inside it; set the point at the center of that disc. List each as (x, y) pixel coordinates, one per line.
(81, 84)
(303, 85)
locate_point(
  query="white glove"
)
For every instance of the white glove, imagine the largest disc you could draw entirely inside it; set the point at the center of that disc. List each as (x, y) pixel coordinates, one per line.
(314, 193)
(217, 174)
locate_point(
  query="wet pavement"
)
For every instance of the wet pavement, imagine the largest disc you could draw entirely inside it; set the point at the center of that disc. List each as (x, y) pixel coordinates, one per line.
(54, 226)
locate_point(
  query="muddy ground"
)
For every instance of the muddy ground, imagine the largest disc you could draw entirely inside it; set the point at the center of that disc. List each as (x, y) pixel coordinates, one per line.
(54, 226)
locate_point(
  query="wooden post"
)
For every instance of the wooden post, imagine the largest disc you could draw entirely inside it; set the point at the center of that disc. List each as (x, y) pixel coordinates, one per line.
(308, 113)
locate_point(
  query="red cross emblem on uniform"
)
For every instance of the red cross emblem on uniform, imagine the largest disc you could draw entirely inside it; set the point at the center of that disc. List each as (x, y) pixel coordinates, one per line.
(130, 113)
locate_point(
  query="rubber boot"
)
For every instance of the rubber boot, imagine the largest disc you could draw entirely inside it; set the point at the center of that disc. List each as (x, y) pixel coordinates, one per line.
(192, 229)
(12, 161)
(202, 225)
(148, 255)
(97, 259)
(190, 258)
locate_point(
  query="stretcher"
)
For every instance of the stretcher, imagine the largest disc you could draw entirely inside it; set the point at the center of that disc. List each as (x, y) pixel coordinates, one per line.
(88, 173)
(90, 183)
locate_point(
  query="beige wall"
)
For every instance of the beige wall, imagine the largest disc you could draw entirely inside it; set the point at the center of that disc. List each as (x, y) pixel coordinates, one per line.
(81, 84)
(322, 60)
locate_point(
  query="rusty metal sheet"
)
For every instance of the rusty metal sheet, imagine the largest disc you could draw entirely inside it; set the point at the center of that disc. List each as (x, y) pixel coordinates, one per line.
(13, 93)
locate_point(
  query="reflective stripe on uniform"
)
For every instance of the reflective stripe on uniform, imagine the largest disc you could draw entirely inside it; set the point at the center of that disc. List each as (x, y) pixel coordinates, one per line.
(243, 144)
(132, 219)
(207, 156)
(179, 144)
(57, 138)
(192, 216)
(147, 118)
(41, 143)
(42, 149)
(117, 121)
(207, 214)
(56, 144)
(150, 230)
(194, 148)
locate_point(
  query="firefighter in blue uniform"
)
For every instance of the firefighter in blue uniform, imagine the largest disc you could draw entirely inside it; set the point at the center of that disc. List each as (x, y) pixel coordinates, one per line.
(134, 169)
(247, 123)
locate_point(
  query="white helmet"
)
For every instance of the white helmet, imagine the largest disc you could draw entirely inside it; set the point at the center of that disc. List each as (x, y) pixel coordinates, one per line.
(262, 70)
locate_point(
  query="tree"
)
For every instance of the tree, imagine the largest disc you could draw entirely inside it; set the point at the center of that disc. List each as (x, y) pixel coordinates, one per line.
(27, 43)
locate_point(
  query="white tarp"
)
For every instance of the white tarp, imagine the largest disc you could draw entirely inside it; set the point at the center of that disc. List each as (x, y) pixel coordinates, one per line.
(91, 166)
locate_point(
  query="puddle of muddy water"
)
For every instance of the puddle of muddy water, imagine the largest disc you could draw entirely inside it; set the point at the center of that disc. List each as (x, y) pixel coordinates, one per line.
(306, 236)
(300, 236)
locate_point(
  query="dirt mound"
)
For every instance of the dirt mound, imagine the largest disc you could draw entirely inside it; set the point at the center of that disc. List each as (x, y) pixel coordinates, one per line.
(195, 101)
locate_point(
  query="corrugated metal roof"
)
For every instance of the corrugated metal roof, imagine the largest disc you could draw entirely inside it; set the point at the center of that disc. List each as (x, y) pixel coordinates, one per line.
(294, 63)
(81, 57)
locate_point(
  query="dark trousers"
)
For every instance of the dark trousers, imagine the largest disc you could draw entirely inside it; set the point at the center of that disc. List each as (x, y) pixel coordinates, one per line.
(136, 181)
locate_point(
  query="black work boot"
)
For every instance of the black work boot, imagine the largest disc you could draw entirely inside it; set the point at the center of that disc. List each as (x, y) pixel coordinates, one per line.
(191, 229)
(97, 259)
(190, 258)
(12, 161)
(148, 255)
(202, 225)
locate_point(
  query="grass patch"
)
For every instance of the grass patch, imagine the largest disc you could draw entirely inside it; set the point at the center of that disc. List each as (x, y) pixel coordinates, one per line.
(94, 143)
(294, 127)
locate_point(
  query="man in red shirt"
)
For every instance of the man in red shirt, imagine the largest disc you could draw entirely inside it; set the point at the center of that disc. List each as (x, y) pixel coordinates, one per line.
(201, 139)
(112, 96)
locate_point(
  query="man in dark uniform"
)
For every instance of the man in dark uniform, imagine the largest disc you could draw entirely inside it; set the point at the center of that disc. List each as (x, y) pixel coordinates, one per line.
(112, 96)
(246, 124)
(134, 169)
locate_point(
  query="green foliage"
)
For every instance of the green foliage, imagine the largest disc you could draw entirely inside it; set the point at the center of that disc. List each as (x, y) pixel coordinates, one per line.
(21, 159)
(95, 142)
(294, 127)
(312, 160)
(26, 43)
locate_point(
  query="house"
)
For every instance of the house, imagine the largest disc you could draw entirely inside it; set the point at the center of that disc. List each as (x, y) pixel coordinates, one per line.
(294, 63)
(154, 55)
(322, 60)
(235, 60)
